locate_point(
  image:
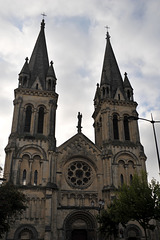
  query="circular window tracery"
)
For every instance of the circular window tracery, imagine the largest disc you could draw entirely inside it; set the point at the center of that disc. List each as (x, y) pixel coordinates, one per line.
(79, 174)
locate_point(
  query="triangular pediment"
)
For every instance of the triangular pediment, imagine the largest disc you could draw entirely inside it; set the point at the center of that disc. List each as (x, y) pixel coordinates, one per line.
(119, 95)
(37, 84)
(79, 144)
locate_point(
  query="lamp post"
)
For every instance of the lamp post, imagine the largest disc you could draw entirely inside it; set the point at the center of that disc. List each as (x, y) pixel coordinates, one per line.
(154, 132)
(101, 205)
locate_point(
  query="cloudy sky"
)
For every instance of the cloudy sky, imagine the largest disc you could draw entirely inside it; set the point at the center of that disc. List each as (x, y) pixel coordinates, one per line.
(75, 34)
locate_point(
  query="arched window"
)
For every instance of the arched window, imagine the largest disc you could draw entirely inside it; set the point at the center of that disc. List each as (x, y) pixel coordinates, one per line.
(26, 232)
(49, 84)
(25, 81)
(35, 177)
(36, 85)
(128, 95)
(20, 81)
(24, 176)
(115, 127)
(126, 128)
(27, 124)
(107, 91)
(103, 89)
(131, 178)
(121, 179)
(40, 120)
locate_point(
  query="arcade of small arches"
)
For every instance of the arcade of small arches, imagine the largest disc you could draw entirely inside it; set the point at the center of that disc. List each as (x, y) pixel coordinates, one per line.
(126, 167)
(30, 168)
(126, 172)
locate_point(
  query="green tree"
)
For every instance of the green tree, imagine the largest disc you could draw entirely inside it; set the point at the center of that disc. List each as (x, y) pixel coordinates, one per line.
(108, 225)
(138, 201)
(12, 203)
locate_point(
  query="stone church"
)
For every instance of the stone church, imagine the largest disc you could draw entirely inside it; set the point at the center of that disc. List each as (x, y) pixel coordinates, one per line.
(68, 185)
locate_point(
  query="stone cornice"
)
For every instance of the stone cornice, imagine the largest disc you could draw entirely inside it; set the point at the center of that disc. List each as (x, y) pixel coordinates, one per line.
(35, 92)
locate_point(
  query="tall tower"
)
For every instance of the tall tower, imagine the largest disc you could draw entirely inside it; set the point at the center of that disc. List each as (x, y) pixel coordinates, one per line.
(115, 135)
(65, 185)
(33, 128)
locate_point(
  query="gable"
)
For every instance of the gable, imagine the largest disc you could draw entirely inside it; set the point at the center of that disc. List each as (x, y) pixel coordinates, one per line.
(119, 95)
(79, 145)
(37, 84)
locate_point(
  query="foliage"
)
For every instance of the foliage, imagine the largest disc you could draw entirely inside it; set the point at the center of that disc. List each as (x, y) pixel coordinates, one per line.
(108, 224)
(12, 203)
(138, 201)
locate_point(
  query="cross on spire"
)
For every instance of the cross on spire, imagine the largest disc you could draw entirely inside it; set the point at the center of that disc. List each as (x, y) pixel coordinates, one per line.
(107, 34)
(43, 14)
(107, 28)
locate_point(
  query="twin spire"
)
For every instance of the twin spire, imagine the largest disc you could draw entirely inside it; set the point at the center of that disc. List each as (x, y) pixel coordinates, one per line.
(111, 84)
(38, 72)
(38, 68)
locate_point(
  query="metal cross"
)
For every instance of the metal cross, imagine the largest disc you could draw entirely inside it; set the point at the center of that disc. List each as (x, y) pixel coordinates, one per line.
(107, 28)
(43, 14)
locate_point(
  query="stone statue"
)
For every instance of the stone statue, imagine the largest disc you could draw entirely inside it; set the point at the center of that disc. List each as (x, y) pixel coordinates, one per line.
(79, 122)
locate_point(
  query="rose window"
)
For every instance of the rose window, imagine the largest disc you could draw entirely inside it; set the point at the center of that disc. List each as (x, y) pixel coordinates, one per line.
(79, 174)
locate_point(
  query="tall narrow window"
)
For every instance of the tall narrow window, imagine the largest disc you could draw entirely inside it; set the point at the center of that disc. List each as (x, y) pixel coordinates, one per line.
(25, 81)
(121, 179)
(126, 128)
(35, 177)
(24, 176)
(40, 120)
(115, 127)
(131, 178)
(128, 95)
(27, 124)
(103, 92)
(49, 84)
(107, 91)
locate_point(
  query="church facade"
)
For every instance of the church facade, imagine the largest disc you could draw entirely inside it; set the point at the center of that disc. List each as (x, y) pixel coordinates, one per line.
(68, 185)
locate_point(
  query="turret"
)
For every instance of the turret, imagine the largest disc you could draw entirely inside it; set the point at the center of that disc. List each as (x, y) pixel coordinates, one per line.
(128, 88)
(51, 78)
(24, 75)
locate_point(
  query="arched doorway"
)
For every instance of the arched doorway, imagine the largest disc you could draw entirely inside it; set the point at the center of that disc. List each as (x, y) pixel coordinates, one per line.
(132, 232)
(80, 225)
(26, 232)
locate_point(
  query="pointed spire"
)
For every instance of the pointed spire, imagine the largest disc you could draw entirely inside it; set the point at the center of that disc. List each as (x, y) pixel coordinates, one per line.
(51, 72)
(25, 68)
(110, 72)
(126, 81)
(97, 96)
(128, 88)
(39, 62)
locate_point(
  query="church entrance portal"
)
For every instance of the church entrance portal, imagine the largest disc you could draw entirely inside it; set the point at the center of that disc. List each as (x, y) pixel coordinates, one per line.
(80, 225)
(79, 234)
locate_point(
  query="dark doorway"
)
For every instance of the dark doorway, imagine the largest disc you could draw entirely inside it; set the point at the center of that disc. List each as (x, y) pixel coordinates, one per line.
(79, 234)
